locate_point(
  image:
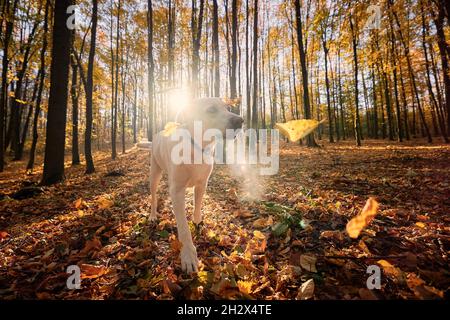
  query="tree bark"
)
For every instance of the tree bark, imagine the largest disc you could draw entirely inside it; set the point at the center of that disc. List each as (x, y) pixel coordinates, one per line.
(306, 102)
(151, 69)
(74, 92)
(255, 67)
(37, 109)
(57, 104)
(356, 122)
(10, 13)
(89, 91)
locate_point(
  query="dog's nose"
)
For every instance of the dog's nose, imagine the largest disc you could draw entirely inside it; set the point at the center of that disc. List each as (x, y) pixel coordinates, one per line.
(236, 122)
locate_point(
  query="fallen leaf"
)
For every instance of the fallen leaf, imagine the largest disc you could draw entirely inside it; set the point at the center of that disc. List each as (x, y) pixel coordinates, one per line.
(306, 290)
(259, 235)
(3, 235)
(392, 271)
(91, 245)
(77, 204)
(358, 223)
(105, 203)
(420, 224)
(280, 228)
(332, 235)
(263, 222)
(245, 286)
(89, 271)
(308, 262)
(367, 294)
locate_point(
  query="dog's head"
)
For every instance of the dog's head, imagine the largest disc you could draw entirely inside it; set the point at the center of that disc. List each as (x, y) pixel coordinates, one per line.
(213, 113)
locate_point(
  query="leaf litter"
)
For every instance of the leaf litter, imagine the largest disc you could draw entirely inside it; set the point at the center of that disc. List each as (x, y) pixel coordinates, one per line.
(290, 244)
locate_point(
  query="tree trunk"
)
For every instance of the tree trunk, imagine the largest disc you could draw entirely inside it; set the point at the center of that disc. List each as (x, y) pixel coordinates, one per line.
(10, 14)
(57, 104)
(37, 109)
(116, 88)
(89, 91)
(413, 79)
(375, 107)
(234, 26)
(327, 85)
(74, 92)
(151, 69)
(247, 64)
(196, 28)
(443, 50)
(306, 102)
(356, 123)
(434, 103)
(215, 46)
(255, 68)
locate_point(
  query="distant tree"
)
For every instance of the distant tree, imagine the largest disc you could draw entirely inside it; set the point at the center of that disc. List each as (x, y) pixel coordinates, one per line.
(89, 90)
(306, 103)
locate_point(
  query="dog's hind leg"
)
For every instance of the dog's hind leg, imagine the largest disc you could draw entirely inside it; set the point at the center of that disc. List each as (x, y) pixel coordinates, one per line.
(155, 177)
(199, 192)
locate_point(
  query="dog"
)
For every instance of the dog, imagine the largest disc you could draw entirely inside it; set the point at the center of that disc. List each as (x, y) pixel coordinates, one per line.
(213, 113)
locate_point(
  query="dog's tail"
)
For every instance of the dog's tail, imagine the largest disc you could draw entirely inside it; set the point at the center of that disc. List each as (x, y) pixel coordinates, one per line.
(144, 144)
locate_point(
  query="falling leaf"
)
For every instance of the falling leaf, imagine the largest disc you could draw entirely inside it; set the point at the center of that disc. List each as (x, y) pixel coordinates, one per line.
(89, 271)
(308, 262)
(245, 286)
(358, 223)
(295, 130)
(21, 101)
(232, 102)
(170, 128)
(306, 290)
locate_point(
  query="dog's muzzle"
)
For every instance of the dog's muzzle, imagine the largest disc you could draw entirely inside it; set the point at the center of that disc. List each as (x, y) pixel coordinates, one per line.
(235, 122)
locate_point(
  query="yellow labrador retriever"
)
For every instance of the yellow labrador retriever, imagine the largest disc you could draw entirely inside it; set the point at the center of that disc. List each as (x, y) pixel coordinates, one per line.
(212, 113)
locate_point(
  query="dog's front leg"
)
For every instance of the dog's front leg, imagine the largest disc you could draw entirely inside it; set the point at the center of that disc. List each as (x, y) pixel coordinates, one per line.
(189, 260)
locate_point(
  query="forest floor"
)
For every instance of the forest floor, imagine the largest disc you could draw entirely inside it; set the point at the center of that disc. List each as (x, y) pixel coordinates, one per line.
(263, 249)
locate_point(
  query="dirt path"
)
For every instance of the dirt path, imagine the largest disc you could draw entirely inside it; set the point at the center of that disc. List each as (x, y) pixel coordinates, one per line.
(99, 222)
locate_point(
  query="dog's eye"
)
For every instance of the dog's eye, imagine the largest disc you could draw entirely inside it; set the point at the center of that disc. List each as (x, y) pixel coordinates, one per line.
(211, 110)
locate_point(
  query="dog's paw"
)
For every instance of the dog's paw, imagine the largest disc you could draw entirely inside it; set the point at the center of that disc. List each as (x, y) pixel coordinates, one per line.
(152, 217)
(189, 260)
